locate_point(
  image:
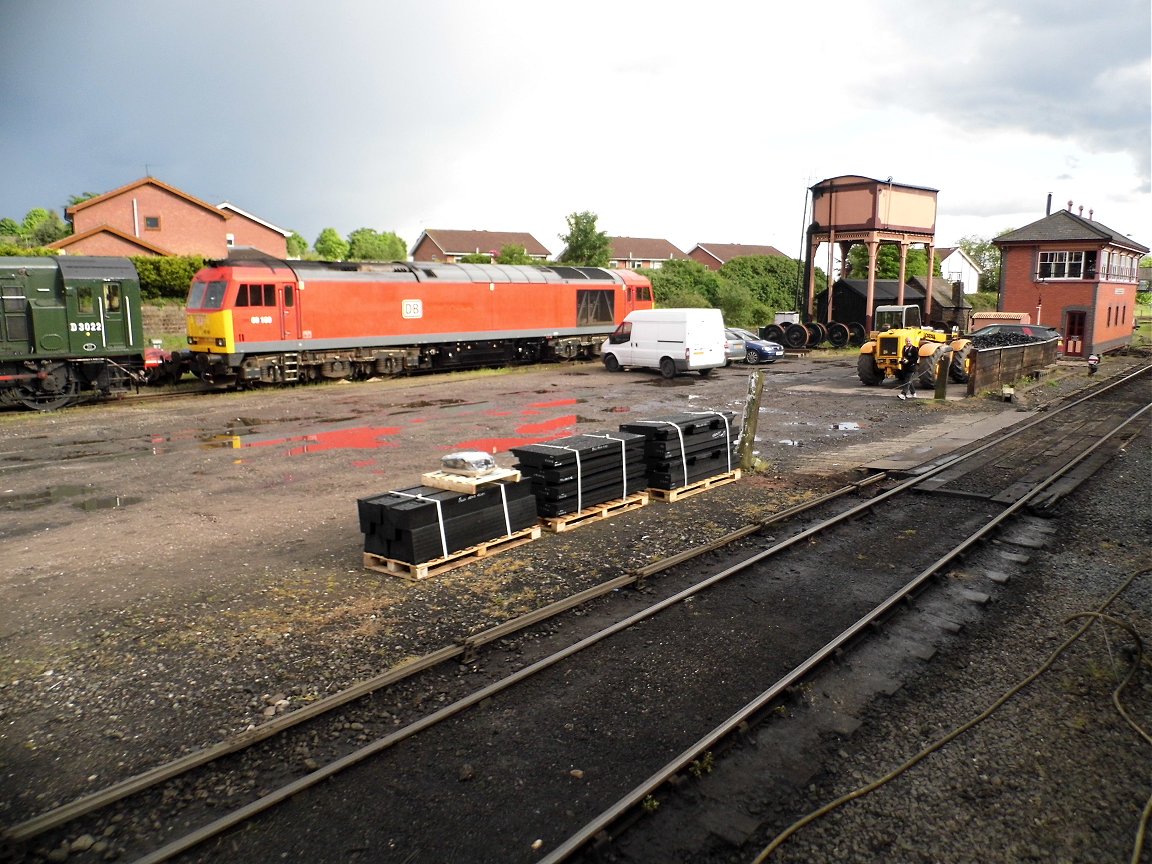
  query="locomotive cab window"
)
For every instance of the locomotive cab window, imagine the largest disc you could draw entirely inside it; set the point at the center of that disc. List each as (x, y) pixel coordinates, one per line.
(242, 295)
(289, 296)
(207, 295)
(112, 297)
(84, 300)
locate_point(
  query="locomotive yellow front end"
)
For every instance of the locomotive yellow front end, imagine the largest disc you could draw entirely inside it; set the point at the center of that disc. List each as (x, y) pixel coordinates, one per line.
(211, 332)
(208, 320)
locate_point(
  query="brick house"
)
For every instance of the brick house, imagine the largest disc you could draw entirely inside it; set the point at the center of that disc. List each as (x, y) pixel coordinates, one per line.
(149, 217)
(435, 244)
(716, 255)
(641, 253)
(1073, 274)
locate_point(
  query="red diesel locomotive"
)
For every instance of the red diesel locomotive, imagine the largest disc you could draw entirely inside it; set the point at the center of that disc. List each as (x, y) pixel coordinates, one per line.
(267, 321)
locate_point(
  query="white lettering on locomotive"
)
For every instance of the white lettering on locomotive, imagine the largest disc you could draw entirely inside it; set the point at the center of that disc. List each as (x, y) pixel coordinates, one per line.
(86, 326)
(412, 308)
(260, 319)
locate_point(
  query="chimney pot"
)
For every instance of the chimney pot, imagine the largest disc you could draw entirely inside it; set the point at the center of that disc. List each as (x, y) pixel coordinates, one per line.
(1069, 206)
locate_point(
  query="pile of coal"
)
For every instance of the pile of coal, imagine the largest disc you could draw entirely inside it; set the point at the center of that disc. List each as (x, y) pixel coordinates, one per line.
(1003, 340)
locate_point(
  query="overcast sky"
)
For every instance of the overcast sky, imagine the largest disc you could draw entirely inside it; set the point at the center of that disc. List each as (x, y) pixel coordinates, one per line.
(678, 120)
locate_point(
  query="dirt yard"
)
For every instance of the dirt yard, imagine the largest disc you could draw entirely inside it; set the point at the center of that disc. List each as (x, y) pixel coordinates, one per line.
(178, 570)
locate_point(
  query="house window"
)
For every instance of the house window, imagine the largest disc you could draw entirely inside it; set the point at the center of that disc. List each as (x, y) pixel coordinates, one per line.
(230, 240)
(151, 223)
(1067, 265)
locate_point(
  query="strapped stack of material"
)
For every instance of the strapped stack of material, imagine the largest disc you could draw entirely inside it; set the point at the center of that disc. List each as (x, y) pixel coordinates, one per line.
(423, 523)
(682, 448)
(580, 471)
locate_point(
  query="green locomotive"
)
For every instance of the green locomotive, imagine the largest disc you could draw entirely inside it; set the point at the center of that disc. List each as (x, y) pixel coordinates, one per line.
(70, 328)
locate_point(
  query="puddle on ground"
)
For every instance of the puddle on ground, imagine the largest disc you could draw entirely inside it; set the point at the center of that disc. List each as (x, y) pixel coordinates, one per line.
(40, 498)
(530, 433)
(355, 438)
(106, 502)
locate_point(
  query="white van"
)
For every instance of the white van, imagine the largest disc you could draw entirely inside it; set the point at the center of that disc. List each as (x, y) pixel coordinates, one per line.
(671, 340)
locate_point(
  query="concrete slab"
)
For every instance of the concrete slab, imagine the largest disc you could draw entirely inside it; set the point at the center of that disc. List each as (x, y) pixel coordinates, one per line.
(940, 441)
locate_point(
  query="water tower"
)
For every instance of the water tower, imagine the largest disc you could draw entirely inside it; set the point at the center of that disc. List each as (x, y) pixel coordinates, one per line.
(848, 210)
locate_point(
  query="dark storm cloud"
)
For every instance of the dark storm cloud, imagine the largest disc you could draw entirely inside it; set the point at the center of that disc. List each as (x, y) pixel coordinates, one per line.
(1058, 68)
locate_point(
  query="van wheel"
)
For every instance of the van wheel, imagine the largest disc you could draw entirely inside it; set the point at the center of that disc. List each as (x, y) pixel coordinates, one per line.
(611, 363)
(668, 367)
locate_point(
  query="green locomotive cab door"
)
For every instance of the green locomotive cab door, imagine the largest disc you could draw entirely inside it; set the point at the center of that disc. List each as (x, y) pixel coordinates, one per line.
(13, 318)
(97, 317)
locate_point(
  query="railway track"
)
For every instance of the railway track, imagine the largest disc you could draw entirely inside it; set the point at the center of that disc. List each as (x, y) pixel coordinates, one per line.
(960, 503)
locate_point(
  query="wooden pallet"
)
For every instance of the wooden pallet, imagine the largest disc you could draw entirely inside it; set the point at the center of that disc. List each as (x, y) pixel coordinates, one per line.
(417, 572)
(695, 488)
(556, 524)
(466, 482)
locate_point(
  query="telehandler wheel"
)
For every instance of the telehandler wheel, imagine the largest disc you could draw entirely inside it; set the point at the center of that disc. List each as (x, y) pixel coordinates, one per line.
(960, 369)
(926, 368)
(866, 368)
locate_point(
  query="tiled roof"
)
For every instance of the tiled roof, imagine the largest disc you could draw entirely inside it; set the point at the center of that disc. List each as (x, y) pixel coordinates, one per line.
(643, 249)
(72, 239)
(484, 242)
(1064, 226)
(724, 252)
(148, 181)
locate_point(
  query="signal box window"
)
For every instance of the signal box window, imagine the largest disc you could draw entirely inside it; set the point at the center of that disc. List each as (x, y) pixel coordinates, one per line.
(151, 223)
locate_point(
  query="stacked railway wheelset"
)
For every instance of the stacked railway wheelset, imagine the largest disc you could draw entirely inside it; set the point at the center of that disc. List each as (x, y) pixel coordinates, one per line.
(795, 335)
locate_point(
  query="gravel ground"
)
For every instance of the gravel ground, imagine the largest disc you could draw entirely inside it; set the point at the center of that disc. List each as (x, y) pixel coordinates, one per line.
(127, 673)
(1056, 774)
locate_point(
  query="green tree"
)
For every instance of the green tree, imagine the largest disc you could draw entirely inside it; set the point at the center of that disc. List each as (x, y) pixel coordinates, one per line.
(772, 280)
(684, 283)
(514, 254)
(987, 256)
(166, 277)
(740, 306)
(583, 244)
(297, 246)
(366, 244)
(330, 246)
(476, 258)
(73, 200)
(888, 262)
(9, 229)
(41, 227)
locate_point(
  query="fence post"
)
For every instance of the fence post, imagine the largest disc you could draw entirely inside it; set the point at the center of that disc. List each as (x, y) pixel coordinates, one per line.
(751, 418)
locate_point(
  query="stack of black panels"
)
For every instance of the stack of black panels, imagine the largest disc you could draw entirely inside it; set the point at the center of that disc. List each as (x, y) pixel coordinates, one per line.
(580, 471)
(682, 448)
(422, 523)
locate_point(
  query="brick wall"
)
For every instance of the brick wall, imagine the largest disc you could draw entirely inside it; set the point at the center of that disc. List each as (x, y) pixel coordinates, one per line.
(161, 321)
